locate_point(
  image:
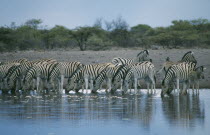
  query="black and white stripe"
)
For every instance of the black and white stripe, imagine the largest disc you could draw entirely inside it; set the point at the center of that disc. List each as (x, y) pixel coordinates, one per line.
(61, 71)
(86, 74)
(4, 71)
(144, 70)
(195, 77)
(107, 75)
(142, 56)
(14, 61)
(38, 71)
(188, 57)
(117, 80)
(16, 76)
(177, 72)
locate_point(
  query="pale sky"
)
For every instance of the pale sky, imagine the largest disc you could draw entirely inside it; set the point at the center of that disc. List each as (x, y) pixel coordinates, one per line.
(72, 13)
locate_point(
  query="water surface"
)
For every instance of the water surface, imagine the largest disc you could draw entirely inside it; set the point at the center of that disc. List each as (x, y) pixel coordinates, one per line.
(89, 114)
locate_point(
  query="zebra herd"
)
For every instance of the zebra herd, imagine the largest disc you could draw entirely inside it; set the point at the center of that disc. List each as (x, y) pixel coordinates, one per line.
(121, 74)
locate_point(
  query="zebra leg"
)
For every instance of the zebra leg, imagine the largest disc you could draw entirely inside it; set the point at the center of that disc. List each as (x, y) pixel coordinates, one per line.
(177, 84)
(154, 85)
(86, 84)
(135, 85)
(184, 90)
(62, 81)
(148, 87)
(193, 87)
(34, 84)
(121, 85)
(91, 85)
(37, 83)
(197, 89)
(109, 84)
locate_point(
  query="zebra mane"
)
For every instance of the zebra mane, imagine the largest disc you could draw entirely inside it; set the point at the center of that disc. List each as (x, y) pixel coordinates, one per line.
(190, 52)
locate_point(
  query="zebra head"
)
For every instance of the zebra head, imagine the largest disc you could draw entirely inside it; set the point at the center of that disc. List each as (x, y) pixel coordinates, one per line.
(143, 56)
(96, 85)
(74, 84)
(167, 87)
(71, 84)
(168, 59)
(27, 83)
(116, 82)
(200, 72)
(8, 83)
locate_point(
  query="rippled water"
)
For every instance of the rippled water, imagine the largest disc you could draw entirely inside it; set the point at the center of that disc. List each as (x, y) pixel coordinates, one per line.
(105, 114)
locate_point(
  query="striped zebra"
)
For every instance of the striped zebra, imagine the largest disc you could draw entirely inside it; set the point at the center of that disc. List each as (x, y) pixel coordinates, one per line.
(14, 61)
(117, 80)
(38, 72)
(107, 75)
(177, 72)
(7, 76)
(75, 81)
(142, 56)
(61, 71)
(4, 71)
(15, 77)
(144, 70)
(87, 74)
(195, 76)
(188, 57)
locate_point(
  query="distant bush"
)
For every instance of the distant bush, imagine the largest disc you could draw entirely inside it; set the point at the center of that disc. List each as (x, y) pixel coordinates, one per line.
(32, 35)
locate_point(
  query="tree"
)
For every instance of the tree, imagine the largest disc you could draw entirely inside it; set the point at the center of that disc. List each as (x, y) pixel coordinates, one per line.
(98, 23)
(33, 23)
(58, 36)
(138, 34)
(81, 35)
(140, 29)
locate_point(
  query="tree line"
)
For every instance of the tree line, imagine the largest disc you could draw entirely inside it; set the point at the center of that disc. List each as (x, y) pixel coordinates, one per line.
(102, 35)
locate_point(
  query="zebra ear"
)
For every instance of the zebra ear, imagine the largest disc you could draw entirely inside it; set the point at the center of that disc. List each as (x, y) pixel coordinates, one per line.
(192, 52)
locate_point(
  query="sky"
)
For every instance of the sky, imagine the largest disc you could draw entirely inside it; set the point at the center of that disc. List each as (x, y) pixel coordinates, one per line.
(73, 13)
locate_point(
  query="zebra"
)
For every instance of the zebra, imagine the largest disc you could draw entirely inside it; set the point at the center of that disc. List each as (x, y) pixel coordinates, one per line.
(38, 71)
(86, 74)
(14, 61)
(142, 56)
(117, 79)
(17, 75)
(195, 76)
(179, 72)
(7, 77)
(144, 70)
(107, 74)
(75, 81)
(63, 70)
(3, 72)
(188, 57)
